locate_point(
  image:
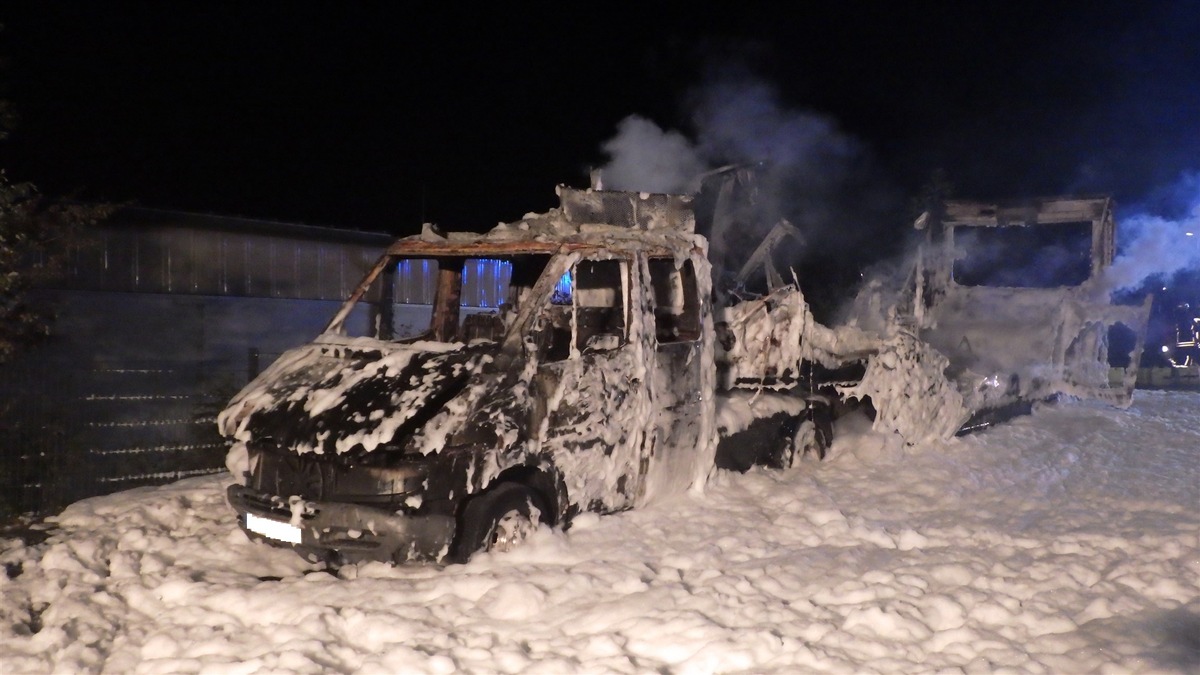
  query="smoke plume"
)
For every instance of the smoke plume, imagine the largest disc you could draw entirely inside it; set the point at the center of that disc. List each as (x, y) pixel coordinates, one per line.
(645, 158)
(1153, 246)
(809, 172)
(744, 121)
(735, 122)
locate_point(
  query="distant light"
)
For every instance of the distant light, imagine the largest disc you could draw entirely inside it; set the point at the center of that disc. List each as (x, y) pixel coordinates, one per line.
(1188, 234)
(1166, 349)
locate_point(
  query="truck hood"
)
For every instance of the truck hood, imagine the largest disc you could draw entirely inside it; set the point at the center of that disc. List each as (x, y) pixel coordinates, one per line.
(340, 395)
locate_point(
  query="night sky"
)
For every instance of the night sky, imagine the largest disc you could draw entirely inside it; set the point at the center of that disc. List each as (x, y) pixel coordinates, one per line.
(379, 116)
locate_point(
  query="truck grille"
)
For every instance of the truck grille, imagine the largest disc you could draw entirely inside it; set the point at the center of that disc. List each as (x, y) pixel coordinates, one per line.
(319, 478)
(291, 474)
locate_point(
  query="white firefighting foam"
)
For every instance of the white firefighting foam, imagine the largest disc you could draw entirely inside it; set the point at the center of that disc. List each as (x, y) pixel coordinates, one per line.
(1065, 541)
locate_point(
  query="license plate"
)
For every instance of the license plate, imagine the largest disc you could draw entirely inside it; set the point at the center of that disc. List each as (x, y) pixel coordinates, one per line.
(273, 529)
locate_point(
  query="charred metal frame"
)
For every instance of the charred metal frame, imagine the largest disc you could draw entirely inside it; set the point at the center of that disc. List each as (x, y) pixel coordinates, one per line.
(1081, 349)
(1039, 212)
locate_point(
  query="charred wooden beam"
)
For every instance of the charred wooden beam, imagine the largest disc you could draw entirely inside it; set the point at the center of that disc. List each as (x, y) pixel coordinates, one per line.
(485, 248)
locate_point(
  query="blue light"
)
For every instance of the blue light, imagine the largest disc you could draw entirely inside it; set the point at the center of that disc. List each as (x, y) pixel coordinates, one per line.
(562, 291)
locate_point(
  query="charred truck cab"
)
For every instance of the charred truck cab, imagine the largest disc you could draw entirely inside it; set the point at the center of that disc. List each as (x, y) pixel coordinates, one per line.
(1006, 305)
(590, 389)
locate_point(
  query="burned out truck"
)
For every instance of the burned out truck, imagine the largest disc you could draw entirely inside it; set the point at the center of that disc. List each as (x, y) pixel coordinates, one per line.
(594, 387)
(1005, 304)
(606, 379)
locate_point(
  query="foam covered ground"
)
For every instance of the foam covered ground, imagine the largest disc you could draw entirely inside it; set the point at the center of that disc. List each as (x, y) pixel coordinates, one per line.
(1067, 541)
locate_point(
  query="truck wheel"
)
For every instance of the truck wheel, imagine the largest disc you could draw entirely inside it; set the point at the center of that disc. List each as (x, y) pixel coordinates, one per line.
(498, 520)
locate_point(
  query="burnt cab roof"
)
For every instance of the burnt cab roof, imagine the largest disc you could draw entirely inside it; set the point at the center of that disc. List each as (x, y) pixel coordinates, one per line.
(585, 221)
(1045, 210)
(1095, 209)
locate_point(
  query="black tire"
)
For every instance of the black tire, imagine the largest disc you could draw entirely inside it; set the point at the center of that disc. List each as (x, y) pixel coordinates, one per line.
(486, 517)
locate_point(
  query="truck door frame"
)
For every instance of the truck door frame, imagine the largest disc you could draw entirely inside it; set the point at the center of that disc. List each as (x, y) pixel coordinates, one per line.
(582, 388)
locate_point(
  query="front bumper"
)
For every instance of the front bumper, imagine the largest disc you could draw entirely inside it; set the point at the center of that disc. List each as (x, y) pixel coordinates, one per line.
(347, 533)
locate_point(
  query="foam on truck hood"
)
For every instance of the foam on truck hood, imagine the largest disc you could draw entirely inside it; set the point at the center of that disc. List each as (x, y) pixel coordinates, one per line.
(339, 395)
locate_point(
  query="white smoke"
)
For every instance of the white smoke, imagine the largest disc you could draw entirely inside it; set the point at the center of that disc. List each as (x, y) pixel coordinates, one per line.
(1156, 246)
(735, 122)
(744, 121)
(806, 171)
(645, 158)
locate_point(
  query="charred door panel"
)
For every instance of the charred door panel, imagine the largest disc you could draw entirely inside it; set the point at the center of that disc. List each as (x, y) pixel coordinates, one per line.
(678, 383)
(590, 398)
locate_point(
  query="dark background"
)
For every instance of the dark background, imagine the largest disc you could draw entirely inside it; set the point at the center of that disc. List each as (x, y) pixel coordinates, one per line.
(379, 116)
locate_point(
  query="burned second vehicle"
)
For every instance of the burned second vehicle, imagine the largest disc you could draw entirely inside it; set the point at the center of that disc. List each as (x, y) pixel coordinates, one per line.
(1005, 305)
(591, 387)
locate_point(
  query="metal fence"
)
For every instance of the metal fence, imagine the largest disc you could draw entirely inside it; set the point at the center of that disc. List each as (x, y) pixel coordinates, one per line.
(68, 433)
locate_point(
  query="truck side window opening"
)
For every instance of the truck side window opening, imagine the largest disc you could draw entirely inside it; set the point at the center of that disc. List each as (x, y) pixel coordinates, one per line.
(593, 292)
(599, 304)
(676, 301)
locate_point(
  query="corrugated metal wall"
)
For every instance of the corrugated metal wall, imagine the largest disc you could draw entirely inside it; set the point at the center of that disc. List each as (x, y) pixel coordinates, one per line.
(183, 260)
(190, 261)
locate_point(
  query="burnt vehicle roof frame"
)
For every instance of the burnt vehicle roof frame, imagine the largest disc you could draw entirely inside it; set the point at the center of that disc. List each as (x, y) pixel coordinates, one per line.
(1044, 211)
